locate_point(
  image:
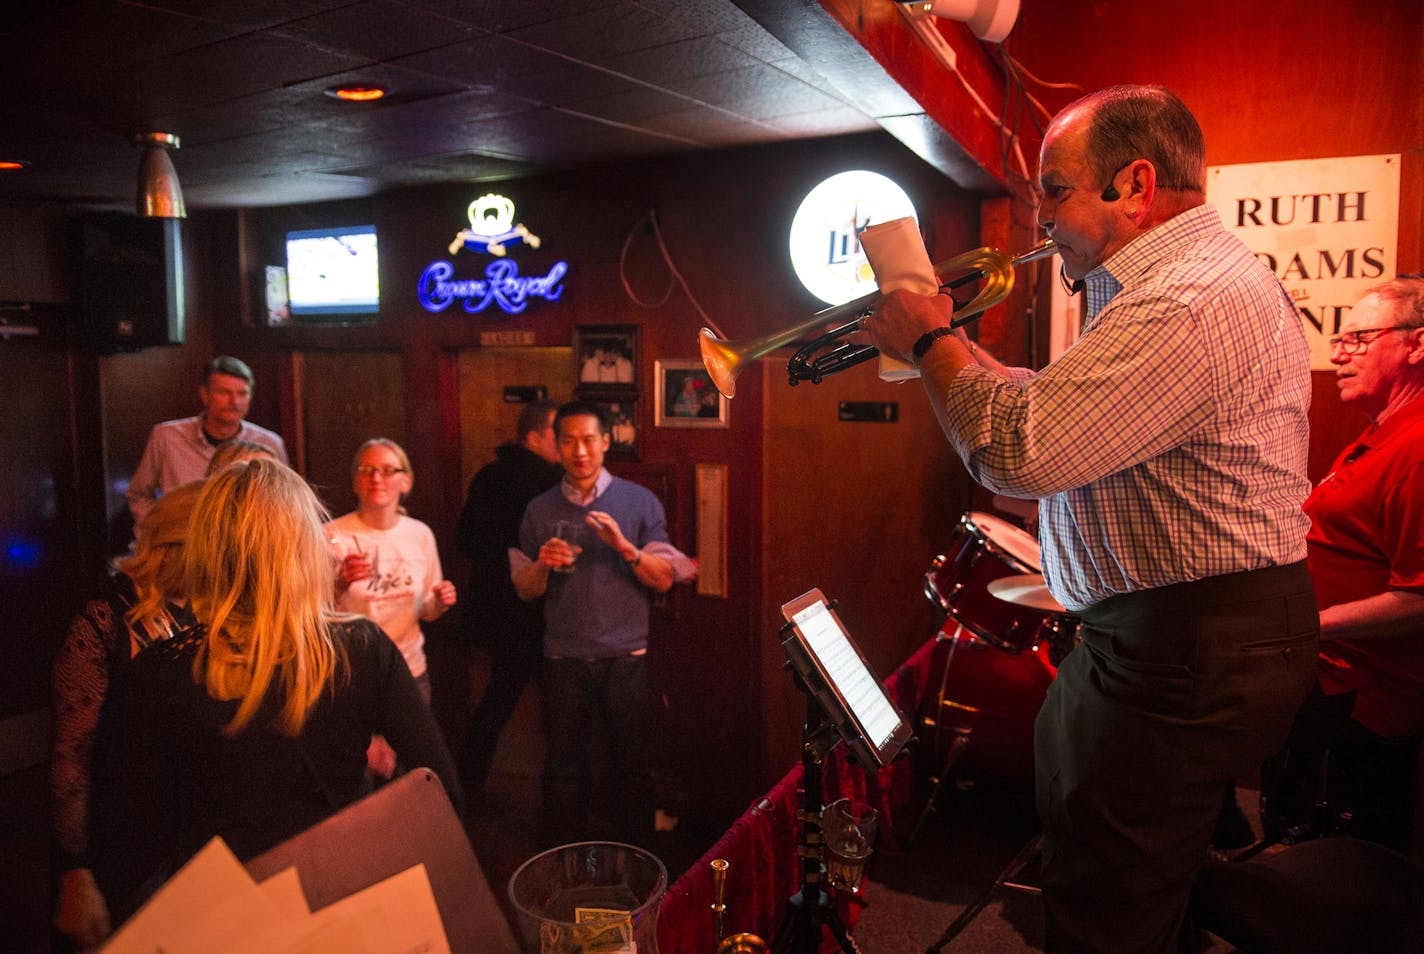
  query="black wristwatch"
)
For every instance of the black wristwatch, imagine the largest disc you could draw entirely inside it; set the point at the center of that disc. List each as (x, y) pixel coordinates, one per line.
(927, 339)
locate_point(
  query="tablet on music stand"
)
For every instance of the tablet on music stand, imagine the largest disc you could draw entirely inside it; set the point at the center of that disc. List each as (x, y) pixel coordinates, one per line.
(831, 665)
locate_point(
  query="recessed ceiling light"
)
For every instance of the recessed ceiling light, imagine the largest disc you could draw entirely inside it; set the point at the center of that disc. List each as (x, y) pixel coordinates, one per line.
(356, 92)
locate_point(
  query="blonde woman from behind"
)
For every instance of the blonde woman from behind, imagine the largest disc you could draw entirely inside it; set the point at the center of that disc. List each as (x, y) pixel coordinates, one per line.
(254, 725)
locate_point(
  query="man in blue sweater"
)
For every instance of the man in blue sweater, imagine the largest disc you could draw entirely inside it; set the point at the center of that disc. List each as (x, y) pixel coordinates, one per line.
(595, 579)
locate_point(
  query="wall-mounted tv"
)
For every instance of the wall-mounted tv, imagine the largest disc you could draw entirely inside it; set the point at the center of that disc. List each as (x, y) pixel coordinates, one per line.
(333, 272)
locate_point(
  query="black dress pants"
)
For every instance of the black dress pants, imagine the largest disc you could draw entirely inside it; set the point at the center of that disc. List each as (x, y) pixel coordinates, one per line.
(514, 661)
(1173, 694)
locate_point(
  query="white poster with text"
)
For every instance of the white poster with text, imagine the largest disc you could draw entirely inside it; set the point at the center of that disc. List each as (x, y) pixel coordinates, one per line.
(1328, 228)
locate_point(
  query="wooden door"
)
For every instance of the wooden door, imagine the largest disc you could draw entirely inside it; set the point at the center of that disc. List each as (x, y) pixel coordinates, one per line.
(487, 419)
(344, 399)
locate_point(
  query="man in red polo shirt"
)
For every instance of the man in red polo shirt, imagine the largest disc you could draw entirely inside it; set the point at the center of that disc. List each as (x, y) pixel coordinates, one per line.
(1366, 556)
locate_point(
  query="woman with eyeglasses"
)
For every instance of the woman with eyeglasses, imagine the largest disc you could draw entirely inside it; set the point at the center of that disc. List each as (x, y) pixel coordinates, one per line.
(253, 724)
(388, 569)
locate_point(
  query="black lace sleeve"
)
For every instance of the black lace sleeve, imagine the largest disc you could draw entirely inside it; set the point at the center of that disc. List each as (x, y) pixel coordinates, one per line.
(80, 685)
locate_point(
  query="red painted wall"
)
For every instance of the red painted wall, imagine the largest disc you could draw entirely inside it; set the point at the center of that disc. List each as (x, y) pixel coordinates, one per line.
(1280, 80)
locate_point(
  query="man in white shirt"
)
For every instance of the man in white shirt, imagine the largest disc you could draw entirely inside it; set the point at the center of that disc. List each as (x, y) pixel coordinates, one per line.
(178, 451)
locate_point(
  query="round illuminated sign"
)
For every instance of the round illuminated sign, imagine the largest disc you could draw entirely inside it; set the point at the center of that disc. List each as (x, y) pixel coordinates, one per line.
(825, 250)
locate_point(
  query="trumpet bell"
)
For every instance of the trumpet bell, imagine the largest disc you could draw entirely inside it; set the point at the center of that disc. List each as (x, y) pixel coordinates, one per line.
(722, 361)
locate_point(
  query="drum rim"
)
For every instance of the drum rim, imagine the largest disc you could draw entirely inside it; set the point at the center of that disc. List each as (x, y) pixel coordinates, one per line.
(993, 639)
(999, 549)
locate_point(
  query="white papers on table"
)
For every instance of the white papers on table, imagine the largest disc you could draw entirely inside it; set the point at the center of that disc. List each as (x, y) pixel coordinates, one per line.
(212, 906)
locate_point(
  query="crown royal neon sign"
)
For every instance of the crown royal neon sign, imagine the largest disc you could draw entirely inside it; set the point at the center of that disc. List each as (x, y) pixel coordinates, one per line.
(492, 231)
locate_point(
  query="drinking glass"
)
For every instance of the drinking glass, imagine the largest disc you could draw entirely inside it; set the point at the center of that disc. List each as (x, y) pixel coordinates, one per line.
(592, 897)
(848, 827)
(571, 532)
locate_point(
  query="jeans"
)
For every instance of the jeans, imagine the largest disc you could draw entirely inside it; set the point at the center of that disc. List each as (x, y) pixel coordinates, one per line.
(577, 694)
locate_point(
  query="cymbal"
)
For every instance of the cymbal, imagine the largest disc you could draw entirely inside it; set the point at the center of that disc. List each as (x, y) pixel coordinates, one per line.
(1025, 589)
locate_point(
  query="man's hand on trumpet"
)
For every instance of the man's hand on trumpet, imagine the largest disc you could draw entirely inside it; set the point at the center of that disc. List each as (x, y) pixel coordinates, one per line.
(904, 323)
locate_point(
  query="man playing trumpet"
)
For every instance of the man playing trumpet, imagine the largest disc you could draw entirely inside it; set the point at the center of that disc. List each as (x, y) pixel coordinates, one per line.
(1167, 449)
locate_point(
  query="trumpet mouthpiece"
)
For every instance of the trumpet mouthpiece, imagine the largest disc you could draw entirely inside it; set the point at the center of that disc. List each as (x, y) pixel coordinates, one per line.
(1042, 250)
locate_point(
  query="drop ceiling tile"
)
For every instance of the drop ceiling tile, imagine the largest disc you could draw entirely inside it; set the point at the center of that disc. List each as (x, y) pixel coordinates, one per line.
(672, 65)
(499, 16)
(377, 30)
(597, 36)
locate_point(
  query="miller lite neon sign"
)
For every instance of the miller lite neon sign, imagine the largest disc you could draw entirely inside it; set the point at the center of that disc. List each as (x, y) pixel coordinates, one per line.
(824, 239)
(492, 231)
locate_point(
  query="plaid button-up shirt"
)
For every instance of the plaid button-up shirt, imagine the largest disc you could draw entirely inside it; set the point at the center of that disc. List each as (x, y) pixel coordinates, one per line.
(1169, 443)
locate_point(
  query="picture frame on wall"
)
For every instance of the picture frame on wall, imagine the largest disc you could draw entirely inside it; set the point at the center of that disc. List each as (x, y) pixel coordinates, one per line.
(606, 357)
(686, 397)
(622, 415)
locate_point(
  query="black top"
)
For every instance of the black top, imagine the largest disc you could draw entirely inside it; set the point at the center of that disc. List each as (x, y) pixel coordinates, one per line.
(488, 527)
(86, 769)
(261, 786)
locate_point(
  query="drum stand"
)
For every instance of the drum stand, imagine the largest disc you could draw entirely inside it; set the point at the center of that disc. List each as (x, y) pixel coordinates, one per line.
(813, 907)
(956, 750)
(1011, 870)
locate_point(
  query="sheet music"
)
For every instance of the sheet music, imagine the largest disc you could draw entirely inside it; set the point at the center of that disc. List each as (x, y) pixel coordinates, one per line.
(212, 906)
(846, 669)
(210, 899)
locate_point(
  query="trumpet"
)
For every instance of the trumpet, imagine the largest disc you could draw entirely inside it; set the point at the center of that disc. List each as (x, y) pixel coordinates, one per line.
(742, 943)
(724, 359)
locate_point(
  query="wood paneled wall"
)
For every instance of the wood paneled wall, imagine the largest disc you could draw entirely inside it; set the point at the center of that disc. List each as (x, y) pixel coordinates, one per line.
(859, 509)
(722, 221)
(345, 399)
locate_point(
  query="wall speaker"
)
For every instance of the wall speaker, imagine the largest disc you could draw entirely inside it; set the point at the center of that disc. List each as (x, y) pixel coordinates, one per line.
(131, 281)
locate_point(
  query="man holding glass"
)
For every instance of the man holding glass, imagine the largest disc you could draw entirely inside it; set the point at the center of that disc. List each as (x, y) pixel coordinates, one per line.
(596, 579)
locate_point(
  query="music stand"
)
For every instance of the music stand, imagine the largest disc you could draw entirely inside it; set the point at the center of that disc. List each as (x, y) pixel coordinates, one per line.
(812, 907)
(844, 702)
(406, 822)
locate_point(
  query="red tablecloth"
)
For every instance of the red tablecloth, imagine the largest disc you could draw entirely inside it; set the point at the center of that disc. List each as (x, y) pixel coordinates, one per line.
(760, 847)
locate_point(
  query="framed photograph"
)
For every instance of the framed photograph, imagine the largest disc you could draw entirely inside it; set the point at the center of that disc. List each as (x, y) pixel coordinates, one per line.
(606, 357)
(622, 414)
(686, 396)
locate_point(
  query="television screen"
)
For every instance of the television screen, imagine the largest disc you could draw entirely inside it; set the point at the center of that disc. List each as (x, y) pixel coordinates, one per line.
(333, 272)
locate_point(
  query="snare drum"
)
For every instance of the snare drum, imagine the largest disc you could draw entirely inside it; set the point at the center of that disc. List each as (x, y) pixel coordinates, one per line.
(987, 548)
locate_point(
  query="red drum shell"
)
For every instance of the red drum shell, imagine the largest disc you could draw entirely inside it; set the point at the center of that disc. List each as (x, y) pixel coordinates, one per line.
(993, 695)
(987, 548)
